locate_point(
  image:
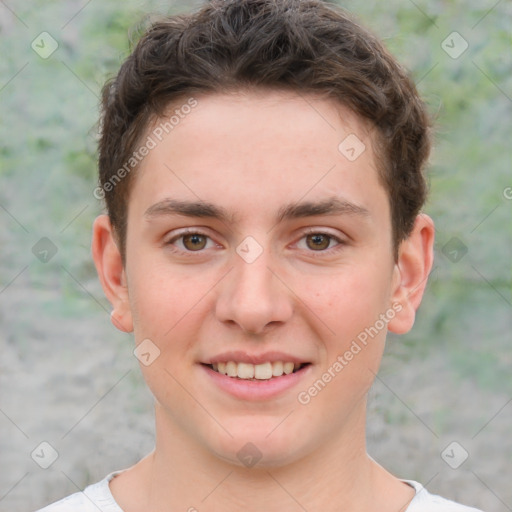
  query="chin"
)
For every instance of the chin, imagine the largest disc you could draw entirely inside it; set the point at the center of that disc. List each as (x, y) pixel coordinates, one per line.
(255, 448)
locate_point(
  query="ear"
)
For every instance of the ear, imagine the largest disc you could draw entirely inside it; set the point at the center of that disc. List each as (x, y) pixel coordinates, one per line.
(111, 272)
(410, 275)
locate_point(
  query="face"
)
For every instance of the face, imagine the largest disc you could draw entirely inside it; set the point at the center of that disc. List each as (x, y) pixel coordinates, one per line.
(254, 237)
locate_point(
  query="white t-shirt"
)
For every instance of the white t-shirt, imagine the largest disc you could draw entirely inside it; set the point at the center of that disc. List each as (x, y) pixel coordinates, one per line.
(97, 497)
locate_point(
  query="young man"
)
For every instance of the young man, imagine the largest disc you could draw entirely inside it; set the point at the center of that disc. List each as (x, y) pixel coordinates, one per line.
(262, 165)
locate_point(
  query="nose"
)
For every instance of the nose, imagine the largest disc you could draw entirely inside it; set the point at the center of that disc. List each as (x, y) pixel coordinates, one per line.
(252, 297)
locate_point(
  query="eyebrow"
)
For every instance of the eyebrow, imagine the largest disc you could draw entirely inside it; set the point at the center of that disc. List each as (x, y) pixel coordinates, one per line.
(330, 206)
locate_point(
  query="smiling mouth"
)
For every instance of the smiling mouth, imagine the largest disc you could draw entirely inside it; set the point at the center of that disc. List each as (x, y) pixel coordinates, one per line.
(254, 372)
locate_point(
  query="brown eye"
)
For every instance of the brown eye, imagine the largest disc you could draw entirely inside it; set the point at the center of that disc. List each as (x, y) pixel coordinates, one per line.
(318, 241)
(194, 242)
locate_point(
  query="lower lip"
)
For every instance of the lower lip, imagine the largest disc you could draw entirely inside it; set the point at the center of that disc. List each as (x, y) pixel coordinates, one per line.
(256, 389)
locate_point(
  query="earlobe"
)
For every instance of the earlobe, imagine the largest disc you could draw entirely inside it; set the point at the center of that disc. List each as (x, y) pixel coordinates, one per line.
(411, 271)
(111, 272)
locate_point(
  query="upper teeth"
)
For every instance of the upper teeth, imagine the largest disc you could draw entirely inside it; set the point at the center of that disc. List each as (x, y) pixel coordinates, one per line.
(261, 371)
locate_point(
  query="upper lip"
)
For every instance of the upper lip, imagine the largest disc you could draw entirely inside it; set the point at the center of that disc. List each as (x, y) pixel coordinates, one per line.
(244, 357)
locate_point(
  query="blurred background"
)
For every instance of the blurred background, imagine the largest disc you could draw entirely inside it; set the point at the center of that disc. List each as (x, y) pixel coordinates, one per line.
(440, 411)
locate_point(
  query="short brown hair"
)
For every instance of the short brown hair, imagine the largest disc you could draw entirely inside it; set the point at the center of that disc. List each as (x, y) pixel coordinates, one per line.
(308, 46)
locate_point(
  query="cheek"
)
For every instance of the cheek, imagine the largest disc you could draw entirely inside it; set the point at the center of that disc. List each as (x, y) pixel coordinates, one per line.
(167, 310)
(349, 302)
(350, 305)
(162, 301)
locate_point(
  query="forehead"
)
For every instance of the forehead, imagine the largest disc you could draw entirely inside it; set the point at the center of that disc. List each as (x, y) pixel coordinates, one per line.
(256, 146)
(264, 113)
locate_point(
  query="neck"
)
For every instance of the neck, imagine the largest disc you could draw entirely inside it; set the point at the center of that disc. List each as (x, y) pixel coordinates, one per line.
(182, 475)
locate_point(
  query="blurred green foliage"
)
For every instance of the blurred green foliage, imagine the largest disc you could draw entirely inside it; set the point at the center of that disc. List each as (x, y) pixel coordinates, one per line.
(48, 156)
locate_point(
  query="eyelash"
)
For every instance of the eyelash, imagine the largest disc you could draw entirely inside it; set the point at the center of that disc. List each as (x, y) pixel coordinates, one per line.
(315, 254)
